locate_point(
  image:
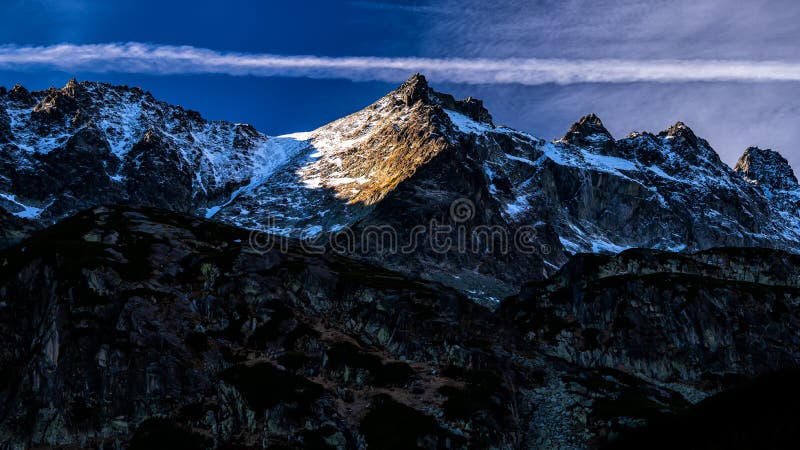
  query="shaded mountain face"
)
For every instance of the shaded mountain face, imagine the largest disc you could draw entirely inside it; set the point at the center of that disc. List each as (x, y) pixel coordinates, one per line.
(771, 173)
(669, 317)
(13, 229)
(137, 327)
(411, 159)
(758, 414)
(766, 168)
(115, 317)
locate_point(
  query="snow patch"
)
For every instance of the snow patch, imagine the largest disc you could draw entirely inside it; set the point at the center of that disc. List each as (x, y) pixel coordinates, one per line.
(347, 180)
(466, 125)
(519, 206)
(28, 212)
(267, 160)
(603, 246)
(569, 246)
(522, 160)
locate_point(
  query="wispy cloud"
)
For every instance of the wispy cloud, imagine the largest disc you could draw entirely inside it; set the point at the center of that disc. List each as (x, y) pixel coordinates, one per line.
(684, 29)
(168, 60)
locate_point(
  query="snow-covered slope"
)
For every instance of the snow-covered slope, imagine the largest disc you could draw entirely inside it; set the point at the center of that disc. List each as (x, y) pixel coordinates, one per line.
(343, 169)
(68, 148)
(400, 162)
(668, 190)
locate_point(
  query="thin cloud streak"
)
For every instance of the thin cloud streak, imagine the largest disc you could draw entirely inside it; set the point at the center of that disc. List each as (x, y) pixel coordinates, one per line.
(171, 60)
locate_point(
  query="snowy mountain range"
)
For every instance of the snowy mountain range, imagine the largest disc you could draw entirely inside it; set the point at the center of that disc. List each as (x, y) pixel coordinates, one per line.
(400, 162)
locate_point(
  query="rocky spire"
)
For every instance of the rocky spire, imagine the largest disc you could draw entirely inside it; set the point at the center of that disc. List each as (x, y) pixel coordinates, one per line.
(415, 89)
(587, 130)
(72, 87)
(21, 95)
(766, 168)
(680, 130)
(55, 105)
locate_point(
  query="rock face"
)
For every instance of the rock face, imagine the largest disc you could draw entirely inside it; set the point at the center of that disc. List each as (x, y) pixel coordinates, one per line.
(772, 175)
(758, 414)
(13, 229)
(414, 151)
(167, 316)
(138, 327)
(132, 327)
(589, 131)
(766, 168)
(674, 318)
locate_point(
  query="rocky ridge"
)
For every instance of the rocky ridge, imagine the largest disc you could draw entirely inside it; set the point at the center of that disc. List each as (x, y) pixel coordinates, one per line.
(414, 150)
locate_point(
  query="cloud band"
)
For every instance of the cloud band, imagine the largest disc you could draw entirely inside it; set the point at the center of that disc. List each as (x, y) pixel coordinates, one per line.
(169, 60)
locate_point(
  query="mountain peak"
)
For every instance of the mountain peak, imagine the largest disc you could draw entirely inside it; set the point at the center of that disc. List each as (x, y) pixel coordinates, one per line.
(587, 129)
(680, 130)
(21, 95)
(592, 119)
(72, 88)
(415, 89)
(766, 167)
(57, 103)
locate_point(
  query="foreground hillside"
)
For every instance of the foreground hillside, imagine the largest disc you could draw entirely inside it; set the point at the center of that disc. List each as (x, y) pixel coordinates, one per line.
(131, 327)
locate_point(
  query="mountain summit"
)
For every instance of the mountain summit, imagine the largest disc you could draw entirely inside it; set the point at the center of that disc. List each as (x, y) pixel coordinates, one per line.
(589, 128)
(766, 167)
(414, 150)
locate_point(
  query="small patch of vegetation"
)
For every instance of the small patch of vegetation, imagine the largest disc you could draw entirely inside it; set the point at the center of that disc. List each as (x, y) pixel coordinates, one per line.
(277, 329)
(315, 439)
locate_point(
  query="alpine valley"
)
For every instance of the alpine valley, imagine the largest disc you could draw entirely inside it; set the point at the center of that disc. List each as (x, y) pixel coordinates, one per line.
(646, 295)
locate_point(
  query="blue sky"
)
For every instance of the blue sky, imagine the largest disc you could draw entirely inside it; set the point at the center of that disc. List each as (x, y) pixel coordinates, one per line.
(734, 66)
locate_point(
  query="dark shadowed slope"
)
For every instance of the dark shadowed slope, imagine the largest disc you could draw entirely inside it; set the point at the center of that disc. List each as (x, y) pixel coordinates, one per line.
(138, 326)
